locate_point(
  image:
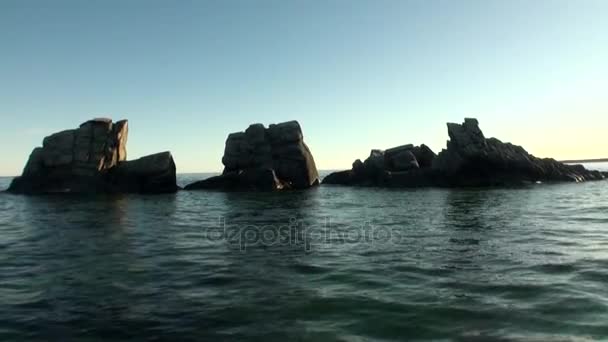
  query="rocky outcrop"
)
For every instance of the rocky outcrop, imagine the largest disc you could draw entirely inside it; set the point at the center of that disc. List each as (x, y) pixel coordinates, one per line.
(90, 159)
(405, 165)
(470, 159)
(150, 174)
(260, 158)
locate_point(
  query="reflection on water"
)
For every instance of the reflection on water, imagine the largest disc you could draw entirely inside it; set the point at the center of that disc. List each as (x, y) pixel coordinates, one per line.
(369, 264)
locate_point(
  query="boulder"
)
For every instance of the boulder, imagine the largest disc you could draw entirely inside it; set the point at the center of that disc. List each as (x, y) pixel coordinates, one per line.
(345, 177)
(89, 159)
(385, 168)
(406, 157)
(150, 174)
(260, 158)
(424, 155)
(403, 161)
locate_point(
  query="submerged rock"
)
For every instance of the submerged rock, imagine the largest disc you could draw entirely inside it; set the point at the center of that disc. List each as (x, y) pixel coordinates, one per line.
(260, 158)
(470, 159)
(91, 159)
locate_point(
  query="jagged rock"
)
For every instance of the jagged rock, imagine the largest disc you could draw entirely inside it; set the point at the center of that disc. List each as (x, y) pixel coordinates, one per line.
(87, 159)
(260, 158)
(374, 164)
(424, 155)
(473, 160)
(358, 166)
(469, 160)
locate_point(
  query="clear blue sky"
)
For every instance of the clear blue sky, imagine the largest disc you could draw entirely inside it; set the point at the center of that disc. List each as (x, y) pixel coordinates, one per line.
(356, 74)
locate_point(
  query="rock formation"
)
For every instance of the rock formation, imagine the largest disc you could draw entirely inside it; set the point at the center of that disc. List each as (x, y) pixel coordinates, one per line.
(405, 165)
(469, 160)
(260, 158)
(92, 158)
(150, 174)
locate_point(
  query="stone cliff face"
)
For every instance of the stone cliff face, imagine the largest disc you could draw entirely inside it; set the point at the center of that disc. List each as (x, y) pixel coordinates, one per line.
(95, 146)
(85, 160)
(470, 159)
(260, 158)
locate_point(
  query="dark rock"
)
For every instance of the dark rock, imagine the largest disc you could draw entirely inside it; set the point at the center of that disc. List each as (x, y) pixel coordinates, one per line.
(248, 180)
(472, 160)
(272, 158)
(285, 132)
(358, 166)
(424, 155)
(387, 168)
(35, 163)
(399, 149)
(469, 160)
(150, 174)
(374, 164)
(403, 161)
(345, 177)
(413, 178)
(90, 159)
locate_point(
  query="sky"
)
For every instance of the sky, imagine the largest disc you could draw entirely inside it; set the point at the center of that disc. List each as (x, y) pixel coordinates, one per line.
(357, 75)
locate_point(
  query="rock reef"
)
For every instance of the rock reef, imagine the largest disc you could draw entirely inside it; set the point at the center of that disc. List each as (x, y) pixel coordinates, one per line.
(92, 159)
(470, 160)
(265, 159)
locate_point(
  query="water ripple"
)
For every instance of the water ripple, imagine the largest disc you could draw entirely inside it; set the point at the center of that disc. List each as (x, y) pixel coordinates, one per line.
(335, 263)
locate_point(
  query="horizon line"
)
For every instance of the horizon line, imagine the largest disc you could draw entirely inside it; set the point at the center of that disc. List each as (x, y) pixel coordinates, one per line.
(593, 160)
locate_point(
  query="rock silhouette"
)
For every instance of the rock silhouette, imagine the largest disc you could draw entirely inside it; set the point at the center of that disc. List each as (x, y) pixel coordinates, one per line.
(91, 159)
(260, 158)
(470, 159)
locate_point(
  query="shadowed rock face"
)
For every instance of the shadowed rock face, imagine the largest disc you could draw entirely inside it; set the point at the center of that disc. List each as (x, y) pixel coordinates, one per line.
(472, 160)
(150, 174)
(469, 160)
(260, 158)
(88, 160)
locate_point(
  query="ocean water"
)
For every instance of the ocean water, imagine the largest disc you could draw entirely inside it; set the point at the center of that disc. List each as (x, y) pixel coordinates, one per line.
(328, 264)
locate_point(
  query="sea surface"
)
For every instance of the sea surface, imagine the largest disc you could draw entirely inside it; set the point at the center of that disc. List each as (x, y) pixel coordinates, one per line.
(329, 264)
